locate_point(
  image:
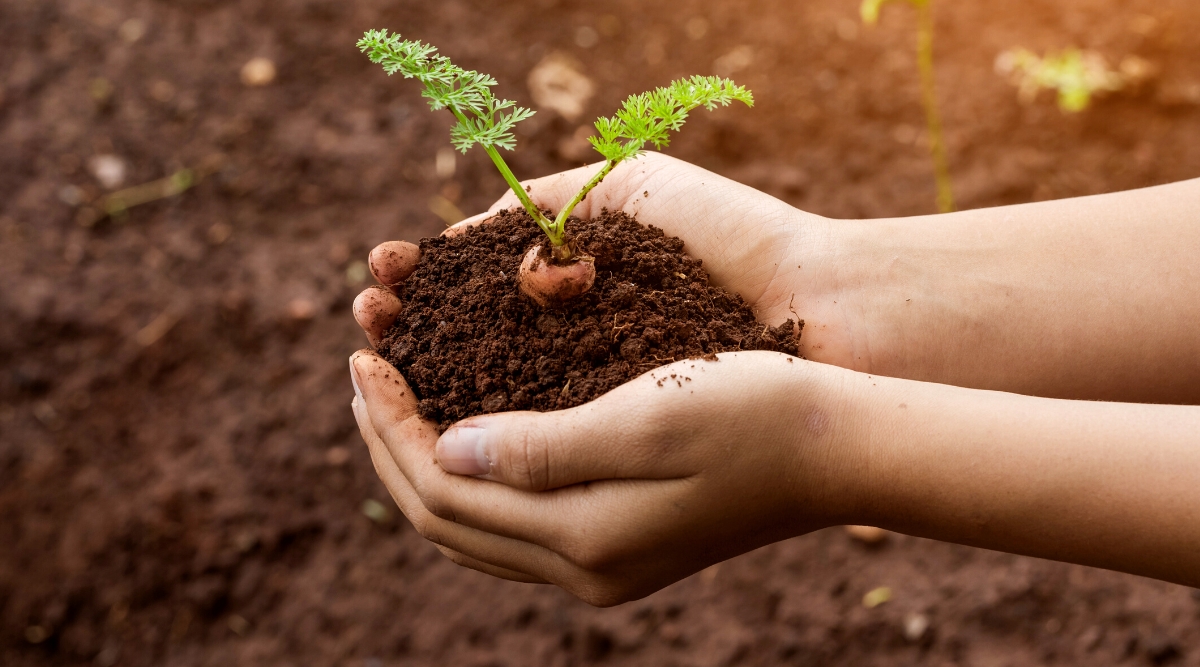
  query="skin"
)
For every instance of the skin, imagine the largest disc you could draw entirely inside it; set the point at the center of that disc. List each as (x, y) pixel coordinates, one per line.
(1093, 298)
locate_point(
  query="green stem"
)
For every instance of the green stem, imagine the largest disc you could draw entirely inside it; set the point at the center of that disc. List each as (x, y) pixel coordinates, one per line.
(542, 221)
(560, 223)
(538, 217)
(933, 118)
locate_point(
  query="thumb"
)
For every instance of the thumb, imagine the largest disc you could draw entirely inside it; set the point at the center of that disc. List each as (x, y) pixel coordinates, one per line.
(531, 451)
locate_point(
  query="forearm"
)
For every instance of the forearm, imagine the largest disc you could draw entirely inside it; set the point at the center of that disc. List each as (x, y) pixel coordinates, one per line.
(1102, 484)
(1096, 297)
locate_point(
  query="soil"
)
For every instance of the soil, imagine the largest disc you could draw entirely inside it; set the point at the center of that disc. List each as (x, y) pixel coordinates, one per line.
(181, 480)
(469, 342)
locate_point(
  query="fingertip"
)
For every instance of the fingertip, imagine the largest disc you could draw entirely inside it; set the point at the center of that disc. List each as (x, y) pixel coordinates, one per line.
(354, 377)
(365, 352)
(376, 309)
(392, 262)
(382, 386)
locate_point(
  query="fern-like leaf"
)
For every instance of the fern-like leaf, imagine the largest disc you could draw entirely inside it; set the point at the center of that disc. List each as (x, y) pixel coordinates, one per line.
(482, 119)
(649, 118)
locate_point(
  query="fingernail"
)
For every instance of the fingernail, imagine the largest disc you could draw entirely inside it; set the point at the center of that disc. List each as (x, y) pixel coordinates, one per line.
(354, 379)
(461, 451)
(361, 416)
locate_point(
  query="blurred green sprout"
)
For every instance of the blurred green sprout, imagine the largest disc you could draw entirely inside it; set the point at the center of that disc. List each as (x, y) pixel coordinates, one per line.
(933, 118)
(1076, 75)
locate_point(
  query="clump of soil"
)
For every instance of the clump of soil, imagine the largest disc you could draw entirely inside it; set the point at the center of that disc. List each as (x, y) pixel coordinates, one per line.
(469, 342)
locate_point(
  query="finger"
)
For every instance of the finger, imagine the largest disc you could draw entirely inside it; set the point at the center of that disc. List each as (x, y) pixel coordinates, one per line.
(401, 445)
(376, 310)
(392, 262)
(524, 516)
(640, 430)
(390, 396)
(573, 522)
(535, 451)
(408, 502)
(473, 221)
(480, 566)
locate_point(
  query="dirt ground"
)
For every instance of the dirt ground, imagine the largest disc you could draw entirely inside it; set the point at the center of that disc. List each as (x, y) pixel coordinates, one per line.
(181, 480)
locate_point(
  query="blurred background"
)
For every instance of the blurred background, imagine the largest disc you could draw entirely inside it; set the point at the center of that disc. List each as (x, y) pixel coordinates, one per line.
(181, 479)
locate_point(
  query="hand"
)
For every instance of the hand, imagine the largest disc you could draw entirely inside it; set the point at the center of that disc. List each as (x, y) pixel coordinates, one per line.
(778, 258)
(620, 497)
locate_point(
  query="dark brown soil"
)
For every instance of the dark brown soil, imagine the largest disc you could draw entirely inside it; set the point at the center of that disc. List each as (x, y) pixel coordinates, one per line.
(469, 342)
(192, 495)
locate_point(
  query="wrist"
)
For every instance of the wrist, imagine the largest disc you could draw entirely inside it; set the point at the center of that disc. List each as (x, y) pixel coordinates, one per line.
(878, 467)
(828, 459)
(839, 277)
(891, 303)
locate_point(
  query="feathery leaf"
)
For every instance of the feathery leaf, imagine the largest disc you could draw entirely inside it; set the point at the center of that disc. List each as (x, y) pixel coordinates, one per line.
(482, 119)
(651, 117)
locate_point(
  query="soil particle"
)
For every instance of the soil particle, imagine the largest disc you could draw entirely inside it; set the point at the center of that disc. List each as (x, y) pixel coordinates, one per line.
(470, 343)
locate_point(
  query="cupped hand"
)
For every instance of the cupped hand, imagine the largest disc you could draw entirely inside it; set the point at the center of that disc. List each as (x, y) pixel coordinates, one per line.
(781, 260)
(681, 468)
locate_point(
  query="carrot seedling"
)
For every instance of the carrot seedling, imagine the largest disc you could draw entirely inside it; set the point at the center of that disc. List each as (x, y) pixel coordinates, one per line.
(929, 99)
(647, 118)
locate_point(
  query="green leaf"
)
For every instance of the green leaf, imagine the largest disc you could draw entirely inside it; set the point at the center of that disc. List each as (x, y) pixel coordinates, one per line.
(649, 118)
(482, 119)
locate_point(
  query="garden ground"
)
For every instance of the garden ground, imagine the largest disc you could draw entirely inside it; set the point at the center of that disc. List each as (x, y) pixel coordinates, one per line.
(181, 479)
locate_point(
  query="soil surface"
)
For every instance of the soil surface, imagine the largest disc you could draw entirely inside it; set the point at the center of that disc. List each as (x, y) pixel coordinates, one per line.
(181, 479)
(469, 342)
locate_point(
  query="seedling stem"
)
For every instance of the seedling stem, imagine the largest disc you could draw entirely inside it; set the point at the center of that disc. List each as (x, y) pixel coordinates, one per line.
(929, 98)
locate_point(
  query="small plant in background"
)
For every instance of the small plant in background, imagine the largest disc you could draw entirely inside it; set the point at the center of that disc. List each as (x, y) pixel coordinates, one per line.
(933, 119)
(116, 205)
(647, 118)
(1076, 75)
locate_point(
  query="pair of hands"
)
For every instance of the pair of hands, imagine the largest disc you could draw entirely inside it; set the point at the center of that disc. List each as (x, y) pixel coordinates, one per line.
(1091, 298)
(648, 484)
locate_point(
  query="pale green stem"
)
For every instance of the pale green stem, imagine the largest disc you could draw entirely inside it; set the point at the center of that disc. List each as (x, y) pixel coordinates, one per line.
(175, 184)
(510, 178)
(560, 223)
(933, 118)
(542, 221)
